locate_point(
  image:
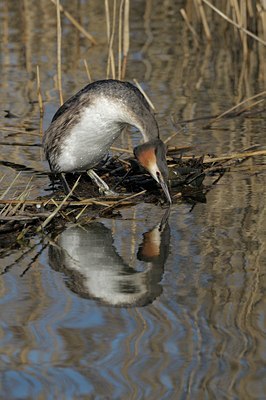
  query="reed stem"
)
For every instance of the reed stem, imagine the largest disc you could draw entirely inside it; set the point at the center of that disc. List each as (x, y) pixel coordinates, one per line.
(76, 23)
(59, 43)
(87, 70)
(40, 101)
(258, 39)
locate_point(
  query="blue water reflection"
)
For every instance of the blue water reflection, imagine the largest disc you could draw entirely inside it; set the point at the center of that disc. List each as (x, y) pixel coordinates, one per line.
(192, 339)
(95, 270)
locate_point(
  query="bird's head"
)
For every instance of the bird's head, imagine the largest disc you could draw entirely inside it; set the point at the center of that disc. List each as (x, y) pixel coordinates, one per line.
(152, 156)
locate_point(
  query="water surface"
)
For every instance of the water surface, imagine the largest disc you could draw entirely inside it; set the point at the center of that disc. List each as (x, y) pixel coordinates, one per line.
(137, 306)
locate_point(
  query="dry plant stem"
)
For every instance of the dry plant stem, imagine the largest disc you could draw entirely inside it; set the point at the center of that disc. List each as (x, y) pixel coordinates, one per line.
(262, 15)
(63, 215)
(39, 94)
(235, 6)
(177, 130)
(125, 38)
(190, 27)
(58, 208)
(120, 39)
(246, 154)
(76, 23)
(178, 148)
(144, 94)
(107, 18)
(81, 203)
(172, 136)
(248, 107)
(122, 201)
(10, 186)
(110, 37)
(234, 23)
(81, 212)
(21, 199)
(24, 132)
(87, 70)
(235, 107)
(204, 20)
(40, 101)
(120, 150)
(59, 40)
(250, 8)
(243, 23)
(10, 210)
(241, 20)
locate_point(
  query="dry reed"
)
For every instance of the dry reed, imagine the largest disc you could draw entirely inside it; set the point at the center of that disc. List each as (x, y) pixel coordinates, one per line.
(58, 208)
(190, 27)
(225, 113)
(40, 101)
(75, 23)
(239, 24)
(87, 70)
(204, 19)
(59, 43)
(144, 94)
(110, 30)
(123, 38)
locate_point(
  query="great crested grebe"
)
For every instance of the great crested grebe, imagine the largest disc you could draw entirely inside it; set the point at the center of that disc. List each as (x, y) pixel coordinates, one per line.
(85, 126)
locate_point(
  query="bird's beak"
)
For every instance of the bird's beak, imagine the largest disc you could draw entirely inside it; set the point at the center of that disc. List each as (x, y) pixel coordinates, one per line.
(151, 156)
(164, 186)
(157, 175)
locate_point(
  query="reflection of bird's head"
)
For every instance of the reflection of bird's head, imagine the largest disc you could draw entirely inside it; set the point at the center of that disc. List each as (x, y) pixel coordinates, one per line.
(152, 156)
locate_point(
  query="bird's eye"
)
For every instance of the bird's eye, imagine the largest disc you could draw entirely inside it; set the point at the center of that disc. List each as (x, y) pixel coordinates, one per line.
(158, 175)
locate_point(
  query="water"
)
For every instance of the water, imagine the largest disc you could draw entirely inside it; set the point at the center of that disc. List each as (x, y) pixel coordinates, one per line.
(135, 307)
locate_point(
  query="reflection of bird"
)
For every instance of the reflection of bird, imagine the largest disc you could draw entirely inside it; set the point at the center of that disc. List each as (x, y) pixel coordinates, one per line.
(84, 128)
(95, 270)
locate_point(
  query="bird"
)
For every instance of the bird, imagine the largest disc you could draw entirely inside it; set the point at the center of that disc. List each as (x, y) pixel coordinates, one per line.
(85, 126)
(88, 257)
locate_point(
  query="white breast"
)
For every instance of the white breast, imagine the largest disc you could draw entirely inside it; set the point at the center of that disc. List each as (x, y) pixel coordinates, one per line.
(89, 140)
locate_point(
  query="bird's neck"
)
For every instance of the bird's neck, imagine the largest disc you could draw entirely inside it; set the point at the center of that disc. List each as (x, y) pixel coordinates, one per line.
(148, 126)
(113, 112)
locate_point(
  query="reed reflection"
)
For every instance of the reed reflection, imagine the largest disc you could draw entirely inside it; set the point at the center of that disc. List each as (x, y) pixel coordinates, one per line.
(95, 270)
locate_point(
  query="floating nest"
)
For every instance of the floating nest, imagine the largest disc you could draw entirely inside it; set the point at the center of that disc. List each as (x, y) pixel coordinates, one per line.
(190, 178)
(126, 177)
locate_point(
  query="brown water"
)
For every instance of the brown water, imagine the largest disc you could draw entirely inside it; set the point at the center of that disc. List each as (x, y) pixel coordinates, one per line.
(136, 307)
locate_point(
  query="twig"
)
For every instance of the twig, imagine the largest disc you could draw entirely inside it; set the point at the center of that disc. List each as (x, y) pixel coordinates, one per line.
(76, 23)
(122, 201)
(110, 37)
(144, 94)
(49, 202)
(120, 150)
(107, 18)
(208, 160)
(236, 106)
(59, 40)
(204, 20)
(87, 70)
(190, 27)
(10, 186)
(120, 39)
(53, 214)
(125, 38)
(234, 23)
(39, 94)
